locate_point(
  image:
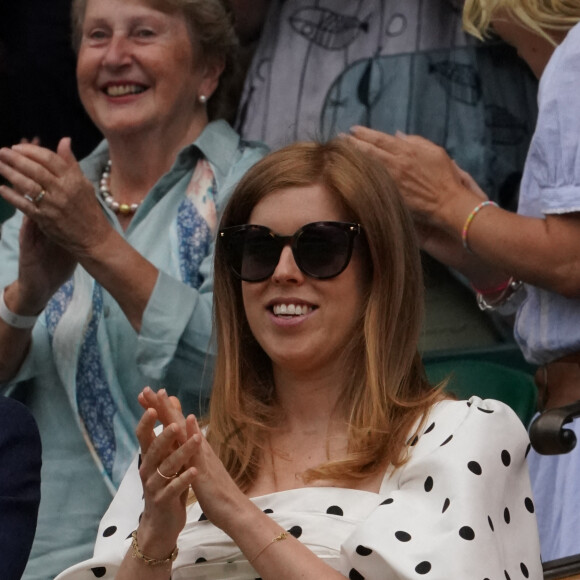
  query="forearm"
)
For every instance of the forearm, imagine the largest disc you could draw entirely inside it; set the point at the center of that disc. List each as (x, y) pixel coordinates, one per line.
(124, 273)
(14, 342)
(286, 558)
(542, 252)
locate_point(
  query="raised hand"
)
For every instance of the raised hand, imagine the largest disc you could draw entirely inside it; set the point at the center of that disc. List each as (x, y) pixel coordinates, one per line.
(432, 185)
(51, 189)
(166, 479)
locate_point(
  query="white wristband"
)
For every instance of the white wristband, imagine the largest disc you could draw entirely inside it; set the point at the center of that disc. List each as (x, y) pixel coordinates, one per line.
(13, 319)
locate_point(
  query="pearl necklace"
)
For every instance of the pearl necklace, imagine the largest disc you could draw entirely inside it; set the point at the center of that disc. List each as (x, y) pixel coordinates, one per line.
(122, 208)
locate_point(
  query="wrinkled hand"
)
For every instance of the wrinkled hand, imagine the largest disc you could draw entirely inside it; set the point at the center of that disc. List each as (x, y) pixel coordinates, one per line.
(427, 177)
(68, 213)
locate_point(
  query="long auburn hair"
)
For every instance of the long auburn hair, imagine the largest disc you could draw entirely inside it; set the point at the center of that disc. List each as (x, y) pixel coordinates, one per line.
(386, 391)
(539, 16)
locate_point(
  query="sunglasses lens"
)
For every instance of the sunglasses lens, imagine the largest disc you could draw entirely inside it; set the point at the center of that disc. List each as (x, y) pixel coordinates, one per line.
(254, 253)
(323, 250)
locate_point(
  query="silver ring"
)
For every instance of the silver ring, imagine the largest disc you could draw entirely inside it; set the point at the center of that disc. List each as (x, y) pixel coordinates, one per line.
(39, 197)
(168, 477)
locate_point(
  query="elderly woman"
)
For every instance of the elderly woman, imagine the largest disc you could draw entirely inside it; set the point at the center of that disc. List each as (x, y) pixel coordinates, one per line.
(538, 246)
(326, 453)
(106, 269)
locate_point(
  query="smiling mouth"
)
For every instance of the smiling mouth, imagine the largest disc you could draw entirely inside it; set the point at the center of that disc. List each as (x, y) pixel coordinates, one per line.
(291, 310)
(123, 90)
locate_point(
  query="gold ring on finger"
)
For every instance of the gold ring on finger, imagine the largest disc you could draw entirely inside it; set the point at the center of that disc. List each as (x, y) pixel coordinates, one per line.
(39, 197)
(168, 477)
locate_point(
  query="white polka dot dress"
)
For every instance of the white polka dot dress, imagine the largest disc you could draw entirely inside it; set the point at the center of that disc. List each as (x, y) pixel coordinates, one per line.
(459, 509)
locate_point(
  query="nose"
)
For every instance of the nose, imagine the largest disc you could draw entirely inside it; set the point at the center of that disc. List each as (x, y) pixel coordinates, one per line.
(118, 51)
(287, 270)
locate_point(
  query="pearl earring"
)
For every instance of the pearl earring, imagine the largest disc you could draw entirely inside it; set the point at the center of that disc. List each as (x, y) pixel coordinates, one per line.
(202, 99)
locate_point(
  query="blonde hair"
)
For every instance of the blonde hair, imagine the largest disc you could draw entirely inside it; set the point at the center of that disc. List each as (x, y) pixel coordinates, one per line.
(210, 23)
(539, 16)
(386, 389)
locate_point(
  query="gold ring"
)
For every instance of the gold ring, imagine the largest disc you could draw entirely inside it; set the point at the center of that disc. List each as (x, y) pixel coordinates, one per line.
(39, 197)
(168, 477)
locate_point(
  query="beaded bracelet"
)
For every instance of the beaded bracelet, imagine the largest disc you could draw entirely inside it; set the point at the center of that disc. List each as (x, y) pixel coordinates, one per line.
(469, 219)
(13, 319)
(136, 553)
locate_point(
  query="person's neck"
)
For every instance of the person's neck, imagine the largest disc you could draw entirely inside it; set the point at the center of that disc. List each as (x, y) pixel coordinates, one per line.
(308, 401)
(139, 160)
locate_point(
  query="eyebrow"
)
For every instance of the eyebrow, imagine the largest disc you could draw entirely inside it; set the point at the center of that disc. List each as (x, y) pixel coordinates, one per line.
(133, 21)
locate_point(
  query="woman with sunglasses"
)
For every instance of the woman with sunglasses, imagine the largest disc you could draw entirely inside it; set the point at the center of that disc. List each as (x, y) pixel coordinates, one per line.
(326, 453)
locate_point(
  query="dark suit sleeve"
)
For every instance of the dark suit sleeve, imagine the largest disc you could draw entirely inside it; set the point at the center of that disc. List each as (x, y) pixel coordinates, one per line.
(20, 461)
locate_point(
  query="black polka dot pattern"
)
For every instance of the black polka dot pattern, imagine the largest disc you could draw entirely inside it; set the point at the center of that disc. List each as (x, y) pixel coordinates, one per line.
(335, 510)
(447, 440)
(296, 531)
(403, 536)
(423, 568)
(525, 571)
(506, 458)
(474, 467)
(109, 531)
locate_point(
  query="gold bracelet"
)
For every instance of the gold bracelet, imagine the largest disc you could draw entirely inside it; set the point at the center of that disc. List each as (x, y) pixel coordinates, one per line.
(151, 561)
(280, 537)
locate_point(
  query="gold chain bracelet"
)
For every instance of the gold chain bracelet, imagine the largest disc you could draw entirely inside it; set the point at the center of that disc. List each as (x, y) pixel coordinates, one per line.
(136, 552)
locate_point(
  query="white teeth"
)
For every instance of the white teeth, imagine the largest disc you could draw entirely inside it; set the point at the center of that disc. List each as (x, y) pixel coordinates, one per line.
(291, 309)
(120, 90)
